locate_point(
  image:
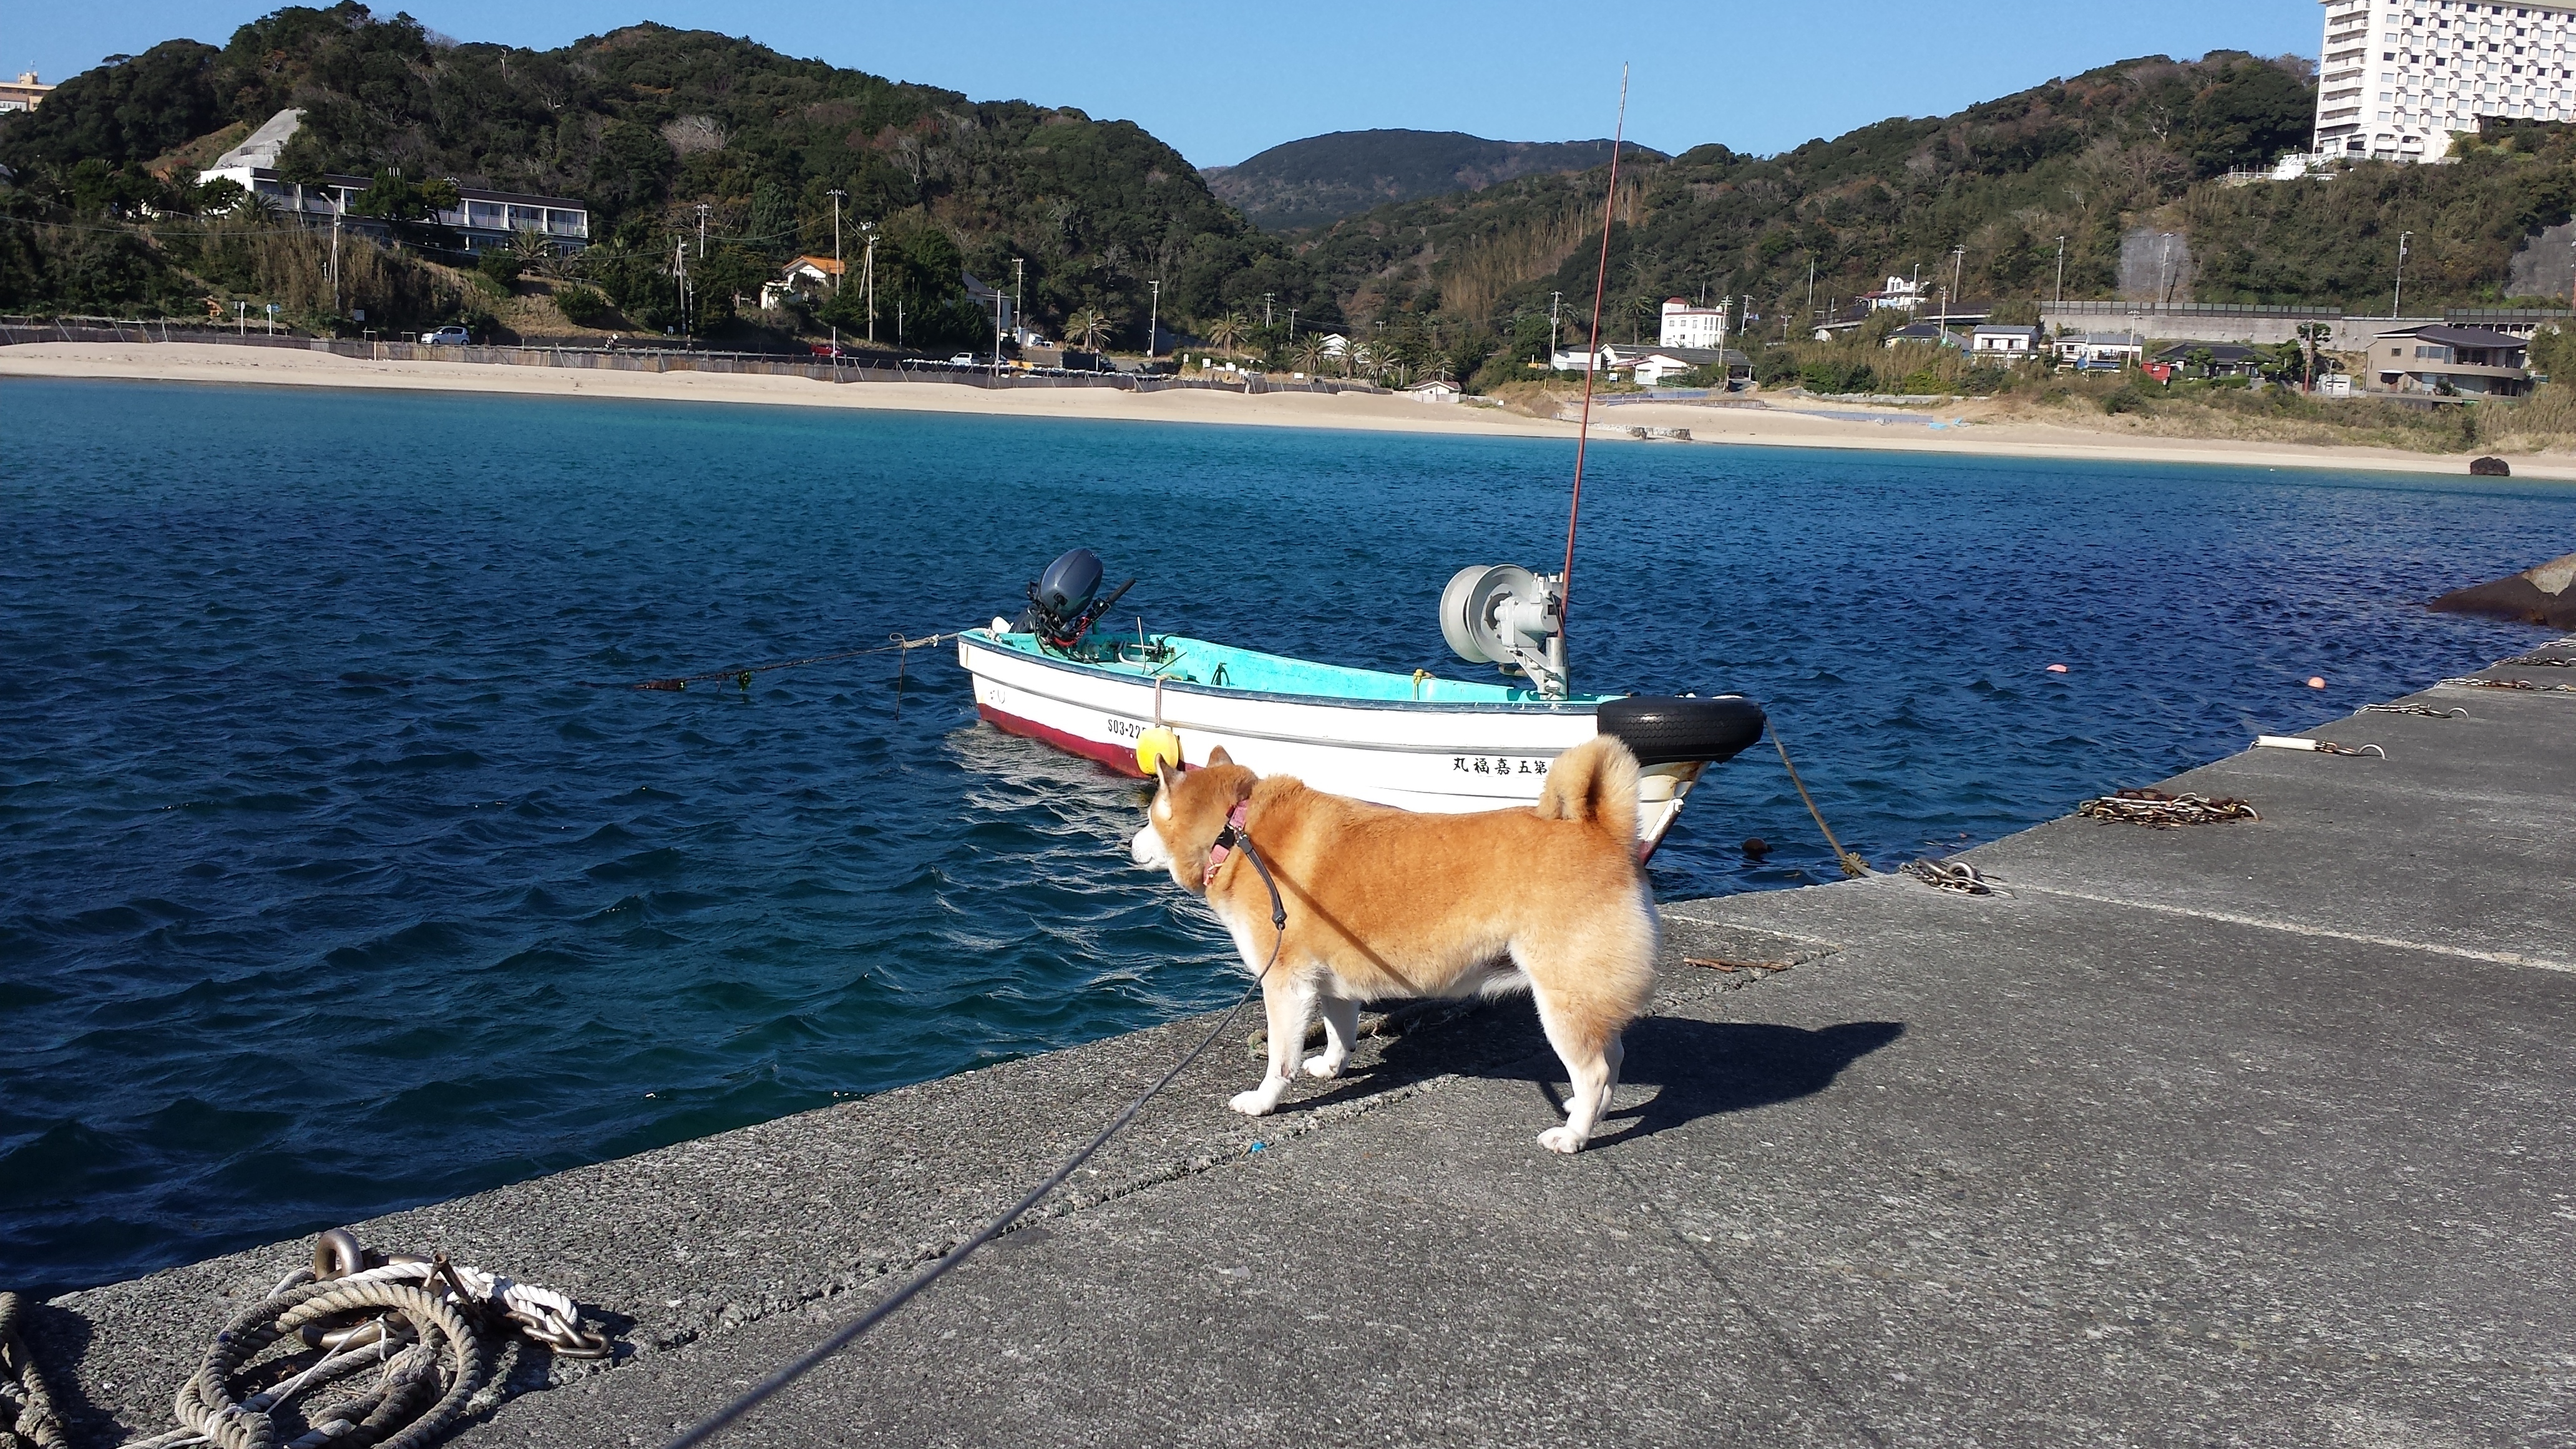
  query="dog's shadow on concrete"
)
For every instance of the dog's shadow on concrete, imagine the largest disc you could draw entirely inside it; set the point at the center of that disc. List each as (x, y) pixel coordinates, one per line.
(1678, 1070)
(1699, 1069)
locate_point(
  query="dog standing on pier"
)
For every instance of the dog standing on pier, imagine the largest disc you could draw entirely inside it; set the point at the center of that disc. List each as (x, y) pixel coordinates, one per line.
(1384, 903)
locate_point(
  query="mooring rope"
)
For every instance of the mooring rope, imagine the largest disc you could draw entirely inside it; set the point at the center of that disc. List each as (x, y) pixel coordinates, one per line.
(1853, 866)
(28, 1418)
(424, 1324)
(741, 674)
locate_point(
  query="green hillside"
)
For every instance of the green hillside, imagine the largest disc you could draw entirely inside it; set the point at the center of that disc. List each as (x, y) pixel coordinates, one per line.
(2080, 157)
(1322, 179)
(644, 124)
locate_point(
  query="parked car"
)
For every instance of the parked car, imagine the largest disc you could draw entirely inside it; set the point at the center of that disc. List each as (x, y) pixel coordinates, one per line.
(446, 337)
(963, 359)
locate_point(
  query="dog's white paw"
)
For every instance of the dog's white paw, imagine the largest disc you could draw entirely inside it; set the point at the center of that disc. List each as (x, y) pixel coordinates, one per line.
(1255, 1103)
(1560, 1139)
(1323, 1066)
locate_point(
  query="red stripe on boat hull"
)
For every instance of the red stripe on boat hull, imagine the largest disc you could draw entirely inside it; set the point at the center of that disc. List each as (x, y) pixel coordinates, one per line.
(1121, 758)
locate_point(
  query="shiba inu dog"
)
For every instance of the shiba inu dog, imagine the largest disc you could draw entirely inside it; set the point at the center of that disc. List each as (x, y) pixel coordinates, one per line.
(1386, 903)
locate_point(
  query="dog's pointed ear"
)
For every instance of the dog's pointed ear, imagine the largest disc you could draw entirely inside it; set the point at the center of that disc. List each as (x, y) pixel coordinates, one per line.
(1218, 756)
(1165, 774)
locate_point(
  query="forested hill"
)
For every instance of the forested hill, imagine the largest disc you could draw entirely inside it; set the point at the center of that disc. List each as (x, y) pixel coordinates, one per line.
(647, 122)
(1322, 179)
(2122, 153)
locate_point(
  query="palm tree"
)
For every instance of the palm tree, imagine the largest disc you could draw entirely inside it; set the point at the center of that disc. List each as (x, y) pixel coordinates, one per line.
(1225, 334)
(1087, 323)
(1309, 354)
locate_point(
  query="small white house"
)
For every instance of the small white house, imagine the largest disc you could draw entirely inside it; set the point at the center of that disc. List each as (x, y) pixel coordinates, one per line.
(1900, 292)
(2009, 341)
(807, 277)
(2101, 349)
(1437, 390)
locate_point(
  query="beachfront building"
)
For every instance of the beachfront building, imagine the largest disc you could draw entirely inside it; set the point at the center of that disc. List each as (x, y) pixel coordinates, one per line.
(487, 220)
(2009, 342)
(23, 93)
(1932, 332)
(2101, 349)
(2449, 361)
(1689, 326)
(1653, 366)
(2399, 77)
(1437, 390)
(2225, 359)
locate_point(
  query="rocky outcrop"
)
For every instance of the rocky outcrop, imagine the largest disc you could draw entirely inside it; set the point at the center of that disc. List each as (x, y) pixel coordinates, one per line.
(2542, 595)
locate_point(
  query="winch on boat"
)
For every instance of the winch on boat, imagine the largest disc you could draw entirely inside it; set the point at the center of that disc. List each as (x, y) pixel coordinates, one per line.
(1417, 741)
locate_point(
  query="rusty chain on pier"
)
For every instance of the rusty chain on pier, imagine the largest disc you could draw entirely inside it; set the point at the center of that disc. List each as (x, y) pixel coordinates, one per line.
(2164, 811)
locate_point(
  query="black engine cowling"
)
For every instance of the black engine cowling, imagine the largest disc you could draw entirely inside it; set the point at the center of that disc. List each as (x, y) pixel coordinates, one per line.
(1669, 729)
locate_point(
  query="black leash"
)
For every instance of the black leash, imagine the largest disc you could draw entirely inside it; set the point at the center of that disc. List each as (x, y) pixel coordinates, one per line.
(759, 1393)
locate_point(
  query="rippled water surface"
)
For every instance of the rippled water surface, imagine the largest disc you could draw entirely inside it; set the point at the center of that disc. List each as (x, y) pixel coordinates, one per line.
(326, 886)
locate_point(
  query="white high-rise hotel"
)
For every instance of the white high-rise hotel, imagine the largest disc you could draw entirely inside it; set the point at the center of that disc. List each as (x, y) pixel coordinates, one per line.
(2399, 76)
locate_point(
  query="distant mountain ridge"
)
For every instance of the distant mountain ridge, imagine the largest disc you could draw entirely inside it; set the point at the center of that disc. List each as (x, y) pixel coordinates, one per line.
(1322, 179)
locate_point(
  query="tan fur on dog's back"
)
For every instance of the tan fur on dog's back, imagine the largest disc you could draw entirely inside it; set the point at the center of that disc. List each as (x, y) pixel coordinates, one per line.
(1385, 903)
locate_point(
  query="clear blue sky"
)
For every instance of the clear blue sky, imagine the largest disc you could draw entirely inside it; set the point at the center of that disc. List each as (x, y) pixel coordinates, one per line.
(1223, 81)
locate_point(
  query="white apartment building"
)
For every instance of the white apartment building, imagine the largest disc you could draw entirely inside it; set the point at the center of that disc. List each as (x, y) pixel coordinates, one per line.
(2398, 77)
(1689, 326)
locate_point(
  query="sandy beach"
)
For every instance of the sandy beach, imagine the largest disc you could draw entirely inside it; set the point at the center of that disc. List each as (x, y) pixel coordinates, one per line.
(1778, 425)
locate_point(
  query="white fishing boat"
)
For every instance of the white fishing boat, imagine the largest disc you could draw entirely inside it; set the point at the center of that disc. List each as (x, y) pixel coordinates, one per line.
(1418, 741)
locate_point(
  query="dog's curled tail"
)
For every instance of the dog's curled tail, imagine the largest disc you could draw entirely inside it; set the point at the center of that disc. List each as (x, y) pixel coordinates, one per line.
(1596, 781)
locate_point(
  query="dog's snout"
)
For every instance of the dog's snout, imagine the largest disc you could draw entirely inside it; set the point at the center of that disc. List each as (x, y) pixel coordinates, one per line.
(1149, 849)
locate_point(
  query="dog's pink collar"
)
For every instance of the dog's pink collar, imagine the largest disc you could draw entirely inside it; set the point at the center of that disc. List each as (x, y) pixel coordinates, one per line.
(1226, 840)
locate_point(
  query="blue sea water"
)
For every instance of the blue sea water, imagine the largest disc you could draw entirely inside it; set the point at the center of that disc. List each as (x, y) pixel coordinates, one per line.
(327, 885)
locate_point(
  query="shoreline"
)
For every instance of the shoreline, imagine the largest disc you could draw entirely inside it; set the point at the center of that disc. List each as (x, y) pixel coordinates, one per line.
(1777, 427)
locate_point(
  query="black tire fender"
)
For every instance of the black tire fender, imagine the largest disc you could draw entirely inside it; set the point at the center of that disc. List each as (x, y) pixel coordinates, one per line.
(1669, 729)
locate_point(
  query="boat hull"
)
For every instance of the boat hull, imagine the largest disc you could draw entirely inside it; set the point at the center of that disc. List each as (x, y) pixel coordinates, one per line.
(1443, 758)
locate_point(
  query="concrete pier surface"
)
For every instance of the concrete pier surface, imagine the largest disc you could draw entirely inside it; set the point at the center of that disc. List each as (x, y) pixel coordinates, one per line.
(2249, 1133)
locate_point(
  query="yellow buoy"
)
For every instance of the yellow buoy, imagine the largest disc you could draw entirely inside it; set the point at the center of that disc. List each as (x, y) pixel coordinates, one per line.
(1157, 744)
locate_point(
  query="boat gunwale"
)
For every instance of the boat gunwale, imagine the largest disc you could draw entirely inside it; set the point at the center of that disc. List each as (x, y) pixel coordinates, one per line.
(1589, 705)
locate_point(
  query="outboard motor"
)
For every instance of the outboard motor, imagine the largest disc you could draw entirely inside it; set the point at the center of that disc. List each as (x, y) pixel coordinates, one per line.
(1060, 608)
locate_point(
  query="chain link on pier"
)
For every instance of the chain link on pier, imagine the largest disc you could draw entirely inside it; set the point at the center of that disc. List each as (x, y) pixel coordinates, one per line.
(2163, 811)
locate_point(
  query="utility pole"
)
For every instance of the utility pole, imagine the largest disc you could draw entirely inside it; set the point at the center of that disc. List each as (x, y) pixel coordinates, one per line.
(2400, 297)
(836, 194)
(1265, 308)
(1154, 320)
(680, 269)
(2164, 269)
(2058, 299)
(868, 229)
(1958, 260)
(1811, 290)
(1553, 298)
(1017, 274)
(1292, 324)
(703, 209)
(335, 258)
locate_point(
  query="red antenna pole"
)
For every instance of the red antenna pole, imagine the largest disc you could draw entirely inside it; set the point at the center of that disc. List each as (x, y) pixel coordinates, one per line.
(1592, 361)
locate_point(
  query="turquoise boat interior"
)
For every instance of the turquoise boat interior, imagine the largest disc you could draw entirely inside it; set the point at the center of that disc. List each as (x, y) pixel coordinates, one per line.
(1182, 660)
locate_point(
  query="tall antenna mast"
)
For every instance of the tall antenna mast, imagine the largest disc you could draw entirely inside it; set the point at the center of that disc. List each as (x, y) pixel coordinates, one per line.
(1592, 363)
